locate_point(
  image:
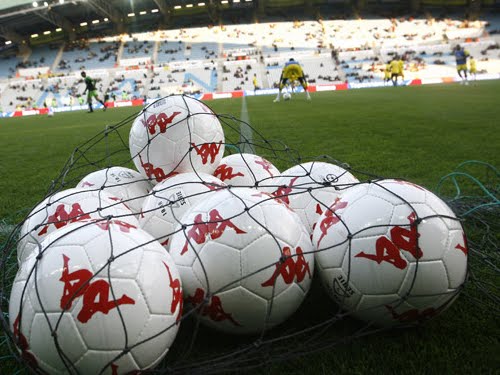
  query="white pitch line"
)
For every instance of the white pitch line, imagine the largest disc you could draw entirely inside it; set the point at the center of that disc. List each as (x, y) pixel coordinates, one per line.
(246, 133)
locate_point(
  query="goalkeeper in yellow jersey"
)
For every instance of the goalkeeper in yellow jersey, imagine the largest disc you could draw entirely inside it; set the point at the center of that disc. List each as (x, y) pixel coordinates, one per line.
(401, 69)
(394, 65)
(472, 67)
(387, 73)
(292, 71)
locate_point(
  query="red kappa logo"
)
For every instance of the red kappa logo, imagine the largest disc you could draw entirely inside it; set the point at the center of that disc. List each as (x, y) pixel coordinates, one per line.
(115, 368)
(61, 217)
(265, 165)
(464, 247)
(283, 192)
(175, 284)
(161, 120)
(22, 343)
(290, 268)
(412, 315)
(389, 250)
(330, 217)
(225, 172)
(95, 293)
(213, 309)
(207, 150)
(157, 172)
(214, 228)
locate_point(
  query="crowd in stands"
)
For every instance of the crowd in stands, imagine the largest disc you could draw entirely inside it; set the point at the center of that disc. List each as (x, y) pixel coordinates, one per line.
(329, 50)
(136, 47)
(81, 51)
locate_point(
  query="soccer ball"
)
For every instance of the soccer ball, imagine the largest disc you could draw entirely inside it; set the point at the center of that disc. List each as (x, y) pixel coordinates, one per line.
(103, 297)
(173, 135)
(249, 255)
(170, 199)
(391, 252)
(247, 170)
(287, 96)
(66, 207)
(124, 183)
(311, 187)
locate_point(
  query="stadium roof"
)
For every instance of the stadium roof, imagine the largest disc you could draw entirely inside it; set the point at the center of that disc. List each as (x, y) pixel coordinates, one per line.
(20, 19)
(43, 21)
(6, 4)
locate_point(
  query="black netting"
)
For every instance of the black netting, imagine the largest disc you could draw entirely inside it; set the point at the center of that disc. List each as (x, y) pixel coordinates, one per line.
(471, 191)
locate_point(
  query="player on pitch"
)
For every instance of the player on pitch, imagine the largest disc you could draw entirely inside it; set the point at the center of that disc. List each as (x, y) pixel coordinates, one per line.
(292, 71)
(91, 91)
(461, 60)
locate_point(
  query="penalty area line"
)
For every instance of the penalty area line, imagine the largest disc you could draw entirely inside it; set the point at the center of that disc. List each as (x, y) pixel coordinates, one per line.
(246, 133)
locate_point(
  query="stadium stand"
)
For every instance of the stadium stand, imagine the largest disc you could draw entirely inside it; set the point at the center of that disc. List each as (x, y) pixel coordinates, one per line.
(359, 66)
(189, 78)
(43, 56)
(83, 54)
(127, 84)
(21, 94)
(8, 66)
(202, 51)
(171, 51)
(136, 48)
(237, 75)
(319, 69)
(225, 58)
(492, 26)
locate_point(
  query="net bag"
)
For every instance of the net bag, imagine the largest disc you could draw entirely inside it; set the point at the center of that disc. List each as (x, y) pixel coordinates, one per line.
(171, 242)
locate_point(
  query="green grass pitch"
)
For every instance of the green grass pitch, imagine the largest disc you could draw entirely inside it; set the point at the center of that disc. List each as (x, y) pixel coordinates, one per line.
(418, 133)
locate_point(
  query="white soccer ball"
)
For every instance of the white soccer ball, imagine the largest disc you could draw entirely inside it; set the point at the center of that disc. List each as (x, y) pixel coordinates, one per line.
(391, 252)
(249, 255)
(170, 199)
(310, 188)
(104, 296)
(247, 170)
(287, 96)
(173, 135)
(66, 207)
(121, 182)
